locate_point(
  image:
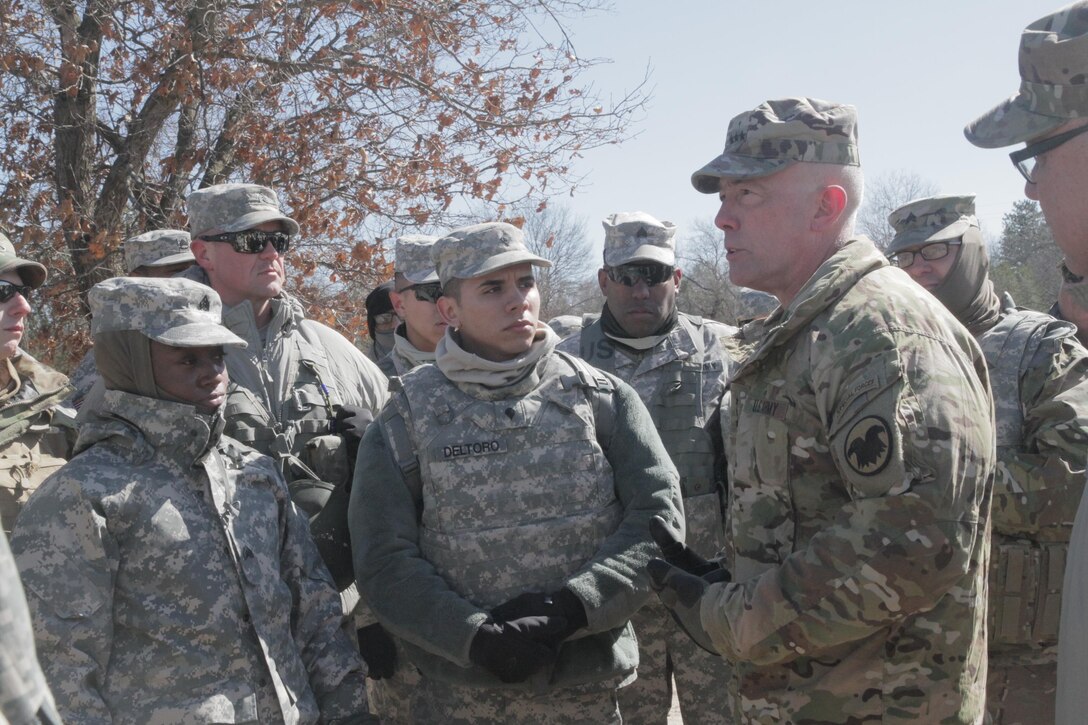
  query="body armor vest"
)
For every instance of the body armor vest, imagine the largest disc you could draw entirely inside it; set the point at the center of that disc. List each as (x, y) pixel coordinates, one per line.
(1025, 576)
(517, 493)
(673, 393)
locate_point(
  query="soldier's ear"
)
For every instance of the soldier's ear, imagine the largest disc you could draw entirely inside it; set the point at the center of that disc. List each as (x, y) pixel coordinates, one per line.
(602, 278)
(447, 307)
(199, 249)
(832, 204)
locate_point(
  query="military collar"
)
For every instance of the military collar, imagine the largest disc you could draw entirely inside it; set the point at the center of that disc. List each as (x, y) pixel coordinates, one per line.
(174, 430)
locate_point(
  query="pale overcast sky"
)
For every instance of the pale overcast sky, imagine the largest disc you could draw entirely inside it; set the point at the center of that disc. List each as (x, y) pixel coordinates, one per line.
(917, 72)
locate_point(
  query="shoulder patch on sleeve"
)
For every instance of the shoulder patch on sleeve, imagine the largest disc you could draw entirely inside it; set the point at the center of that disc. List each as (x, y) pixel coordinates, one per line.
(868, 445)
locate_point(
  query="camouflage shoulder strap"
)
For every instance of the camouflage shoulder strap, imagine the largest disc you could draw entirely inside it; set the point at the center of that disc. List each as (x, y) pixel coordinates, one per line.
(394, 420)
(600, 390)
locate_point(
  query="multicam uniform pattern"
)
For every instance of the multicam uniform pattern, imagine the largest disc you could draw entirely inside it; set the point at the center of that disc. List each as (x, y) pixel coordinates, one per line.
(680, 380)
(861, 460)
(171, 580)
(1039, 375)
(35, 437)
(512, 494)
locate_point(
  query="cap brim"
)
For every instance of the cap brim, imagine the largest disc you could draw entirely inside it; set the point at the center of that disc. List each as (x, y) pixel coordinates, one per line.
(251, 220)
(31, 273)
(914, 237)
(707, 180)
(196, 334)
(171, 259)
(645, 253)
(1008, 123)
(421, 277)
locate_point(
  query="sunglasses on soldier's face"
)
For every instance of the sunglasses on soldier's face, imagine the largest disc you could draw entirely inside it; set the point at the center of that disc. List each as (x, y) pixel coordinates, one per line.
(631, 274)
(253, 241)
(427, 292)
(9, 290)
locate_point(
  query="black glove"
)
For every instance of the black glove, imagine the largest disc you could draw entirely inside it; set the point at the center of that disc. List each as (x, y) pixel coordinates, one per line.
(682, 594)
(680, 555)
(379, 651)
(351, 422)
(562, 603)
(513, 651)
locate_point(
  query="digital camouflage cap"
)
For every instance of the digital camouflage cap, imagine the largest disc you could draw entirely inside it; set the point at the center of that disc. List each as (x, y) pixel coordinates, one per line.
(159, 248)
(413, 258)
(174, 311)
(225, 208)
(31, 273)
(481, 248)
(933, 219)
(780, 133)
(638, 237)
(1053, 86)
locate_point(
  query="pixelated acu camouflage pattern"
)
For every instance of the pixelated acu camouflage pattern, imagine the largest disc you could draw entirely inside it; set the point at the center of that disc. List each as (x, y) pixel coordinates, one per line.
(412, 258)
(159, 248)
(465, 511)
(481, 248)
(780, 133)
(638, 237)
(174, 311)
(681, 381)
(442, 702)
(171, 579)
(933, 219)
(226, 208)
(861, 459)
(1053, 86)
(25, 698)
(35, 436)
(1039, 375)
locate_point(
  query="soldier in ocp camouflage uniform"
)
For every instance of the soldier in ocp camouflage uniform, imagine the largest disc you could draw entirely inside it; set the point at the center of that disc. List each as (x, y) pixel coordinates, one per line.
(676, 363)
(1049, 113)
(860, 450)
(36, 431)
(499, 515)
(1039, 377)
(170, 577)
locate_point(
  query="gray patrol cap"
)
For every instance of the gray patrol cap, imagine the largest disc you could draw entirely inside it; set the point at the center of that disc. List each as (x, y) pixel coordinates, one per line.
(31, 273)
(780, 133)
(933, 219)
(413, 258)
(1053, 86)
(159, 248)
(227, 208)
(481, 248)
(174, 311)
(638, 237)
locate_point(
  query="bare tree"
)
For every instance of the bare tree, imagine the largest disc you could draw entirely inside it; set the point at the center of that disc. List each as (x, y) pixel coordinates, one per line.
(706, 290)
(559, 235)
(884, 194)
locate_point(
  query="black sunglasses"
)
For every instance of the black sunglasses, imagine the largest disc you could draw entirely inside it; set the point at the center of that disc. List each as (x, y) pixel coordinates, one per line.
(631, 274)
(253, 241)
(9, 290)
(426, 292)
(1024, 159)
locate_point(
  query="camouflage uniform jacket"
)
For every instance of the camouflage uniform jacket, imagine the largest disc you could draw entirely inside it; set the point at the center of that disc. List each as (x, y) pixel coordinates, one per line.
(680, 380)
(1039, 375)
(35, 436)
(171, 580)
(553, 496)
(24, 695)
(286, 389)
(861, 454)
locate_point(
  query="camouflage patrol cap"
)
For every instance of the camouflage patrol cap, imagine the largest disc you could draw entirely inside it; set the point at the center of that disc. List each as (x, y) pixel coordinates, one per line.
(933, 219)
(31, 273)
(481, 248)
(159, 248)
(1053, 86)
(638, 237)
(780, 133)
(413, 258)
(234, 208)
(174, 311)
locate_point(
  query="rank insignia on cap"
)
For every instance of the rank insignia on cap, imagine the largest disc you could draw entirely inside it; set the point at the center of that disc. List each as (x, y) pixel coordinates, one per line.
(868, 446)
(204, 304)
